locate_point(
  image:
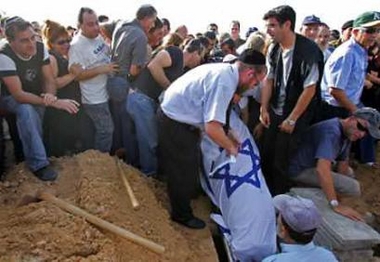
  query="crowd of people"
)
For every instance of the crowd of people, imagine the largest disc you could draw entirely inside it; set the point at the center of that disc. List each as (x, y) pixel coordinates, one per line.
(246, 119)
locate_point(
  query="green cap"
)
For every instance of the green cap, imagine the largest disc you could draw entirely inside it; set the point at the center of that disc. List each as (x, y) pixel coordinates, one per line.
(367, 19)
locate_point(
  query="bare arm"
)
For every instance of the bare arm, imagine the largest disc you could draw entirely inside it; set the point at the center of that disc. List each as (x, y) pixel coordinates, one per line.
(215, 131)
(156, 68)
(342, 99)
(266, 93)
(135, 70)
(62, 80)
(92, 72)
(303, 102)
(300, 107)
(14, 87)
(50, 86)
(327, 185)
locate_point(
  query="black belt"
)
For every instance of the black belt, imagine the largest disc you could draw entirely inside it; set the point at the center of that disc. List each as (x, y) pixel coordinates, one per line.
(186, 126)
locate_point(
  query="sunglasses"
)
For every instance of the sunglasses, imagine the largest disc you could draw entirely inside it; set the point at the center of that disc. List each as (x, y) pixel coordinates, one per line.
(63, 41)
(370, 30)
(361, 127)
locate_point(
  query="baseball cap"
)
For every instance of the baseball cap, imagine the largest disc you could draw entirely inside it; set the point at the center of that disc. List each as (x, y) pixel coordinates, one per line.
(373, 118)
(252, 57)
(311, 19)
(347, 24)
(299, 213)
(250, 31)
(367, 19)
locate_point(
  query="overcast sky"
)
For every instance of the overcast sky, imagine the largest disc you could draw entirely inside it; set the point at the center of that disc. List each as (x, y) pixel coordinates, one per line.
(195, 14)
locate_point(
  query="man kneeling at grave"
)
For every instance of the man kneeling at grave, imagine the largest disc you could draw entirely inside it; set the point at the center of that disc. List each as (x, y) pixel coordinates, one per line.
(297, 224)
(329, 141)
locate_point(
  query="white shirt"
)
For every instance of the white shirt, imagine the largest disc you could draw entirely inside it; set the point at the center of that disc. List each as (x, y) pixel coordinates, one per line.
(202, 94)
(91, 53)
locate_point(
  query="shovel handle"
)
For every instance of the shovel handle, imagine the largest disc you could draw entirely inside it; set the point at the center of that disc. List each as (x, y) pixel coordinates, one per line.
(102, 223)
(132, 196)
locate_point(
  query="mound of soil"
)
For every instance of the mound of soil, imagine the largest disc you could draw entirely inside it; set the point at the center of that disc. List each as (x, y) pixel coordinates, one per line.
(41, 231)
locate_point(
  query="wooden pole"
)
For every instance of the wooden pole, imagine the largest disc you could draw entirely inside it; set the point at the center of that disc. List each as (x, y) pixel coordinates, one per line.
(102, 223)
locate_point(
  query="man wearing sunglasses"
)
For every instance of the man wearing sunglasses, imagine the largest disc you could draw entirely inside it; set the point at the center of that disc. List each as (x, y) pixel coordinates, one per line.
(327, 142)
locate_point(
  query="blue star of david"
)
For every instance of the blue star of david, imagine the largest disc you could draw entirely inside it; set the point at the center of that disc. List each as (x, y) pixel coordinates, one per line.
(234, 181)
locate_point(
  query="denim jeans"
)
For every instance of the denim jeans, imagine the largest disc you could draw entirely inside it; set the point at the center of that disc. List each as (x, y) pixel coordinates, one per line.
(124, 135)
(29, 125)
(101, 118)
(143, 109)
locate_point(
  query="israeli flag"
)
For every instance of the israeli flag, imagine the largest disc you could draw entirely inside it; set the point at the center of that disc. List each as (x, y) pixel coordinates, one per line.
(237, 187)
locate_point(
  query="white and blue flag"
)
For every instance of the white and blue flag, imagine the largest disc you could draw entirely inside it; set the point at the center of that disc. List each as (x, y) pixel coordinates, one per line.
(237, 187)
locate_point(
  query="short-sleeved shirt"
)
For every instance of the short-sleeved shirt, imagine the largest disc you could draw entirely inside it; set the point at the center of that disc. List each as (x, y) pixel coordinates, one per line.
(28, 70)
(129, 46)
(309, 252)
(345, 69)
(91, 53)
(287, 63)
(201, 95)
(324, 140)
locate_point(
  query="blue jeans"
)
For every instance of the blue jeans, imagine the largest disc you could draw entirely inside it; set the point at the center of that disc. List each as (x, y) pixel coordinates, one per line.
(29, 124)
(143, 109)
(123, 136)
(101, 118)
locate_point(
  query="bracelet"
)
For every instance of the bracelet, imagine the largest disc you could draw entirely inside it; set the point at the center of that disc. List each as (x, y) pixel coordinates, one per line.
(290, 122)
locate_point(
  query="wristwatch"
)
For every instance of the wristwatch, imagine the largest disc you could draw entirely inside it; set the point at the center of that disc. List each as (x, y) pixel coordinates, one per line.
(290, 122)
(334, 203)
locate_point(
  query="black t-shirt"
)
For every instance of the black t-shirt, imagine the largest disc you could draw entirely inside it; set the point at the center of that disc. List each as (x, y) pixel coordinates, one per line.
(29, 71)
(148, 85)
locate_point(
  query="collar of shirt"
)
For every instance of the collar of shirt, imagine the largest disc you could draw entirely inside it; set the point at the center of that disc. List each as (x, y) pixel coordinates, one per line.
(287, 248)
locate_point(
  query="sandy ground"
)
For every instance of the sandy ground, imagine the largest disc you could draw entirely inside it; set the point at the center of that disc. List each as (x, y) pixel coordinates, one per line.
(41, 231)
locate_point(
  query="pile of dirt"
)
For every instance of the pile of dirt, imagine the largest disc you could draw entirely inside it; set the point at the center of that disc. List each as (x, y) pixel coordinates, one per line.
(41, 231)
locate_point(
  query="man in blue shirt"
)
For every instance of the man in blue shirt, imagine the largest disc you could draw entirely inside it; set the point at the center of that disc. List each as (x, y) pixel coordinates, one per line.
(329, 141)
(298, 221)
(346, 69)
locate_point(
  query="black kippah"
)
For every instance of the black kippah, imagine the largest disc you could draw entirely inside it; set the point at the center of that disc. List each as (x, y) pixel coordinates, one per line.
(252, 57)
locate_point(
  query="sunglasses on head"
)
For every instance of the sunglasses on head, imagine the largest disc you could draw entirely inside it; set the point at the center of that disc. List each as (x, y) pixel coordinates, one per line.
(63, 41)
(361, 127)
(370, 30)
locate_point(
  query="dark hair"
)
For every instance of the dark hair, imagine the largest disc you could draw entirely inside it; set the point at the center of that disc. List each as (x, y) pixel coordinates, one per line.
(282, 14)
(213, 25)
(204, 41)
(82, 11)
(14, 25)
(157, 25)
(145, 11)
(108, 28)
(302, 238)
(228, 42)
(194, 45)
(103, 18)
(210, 35)
(166, 22)
(235, 22)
